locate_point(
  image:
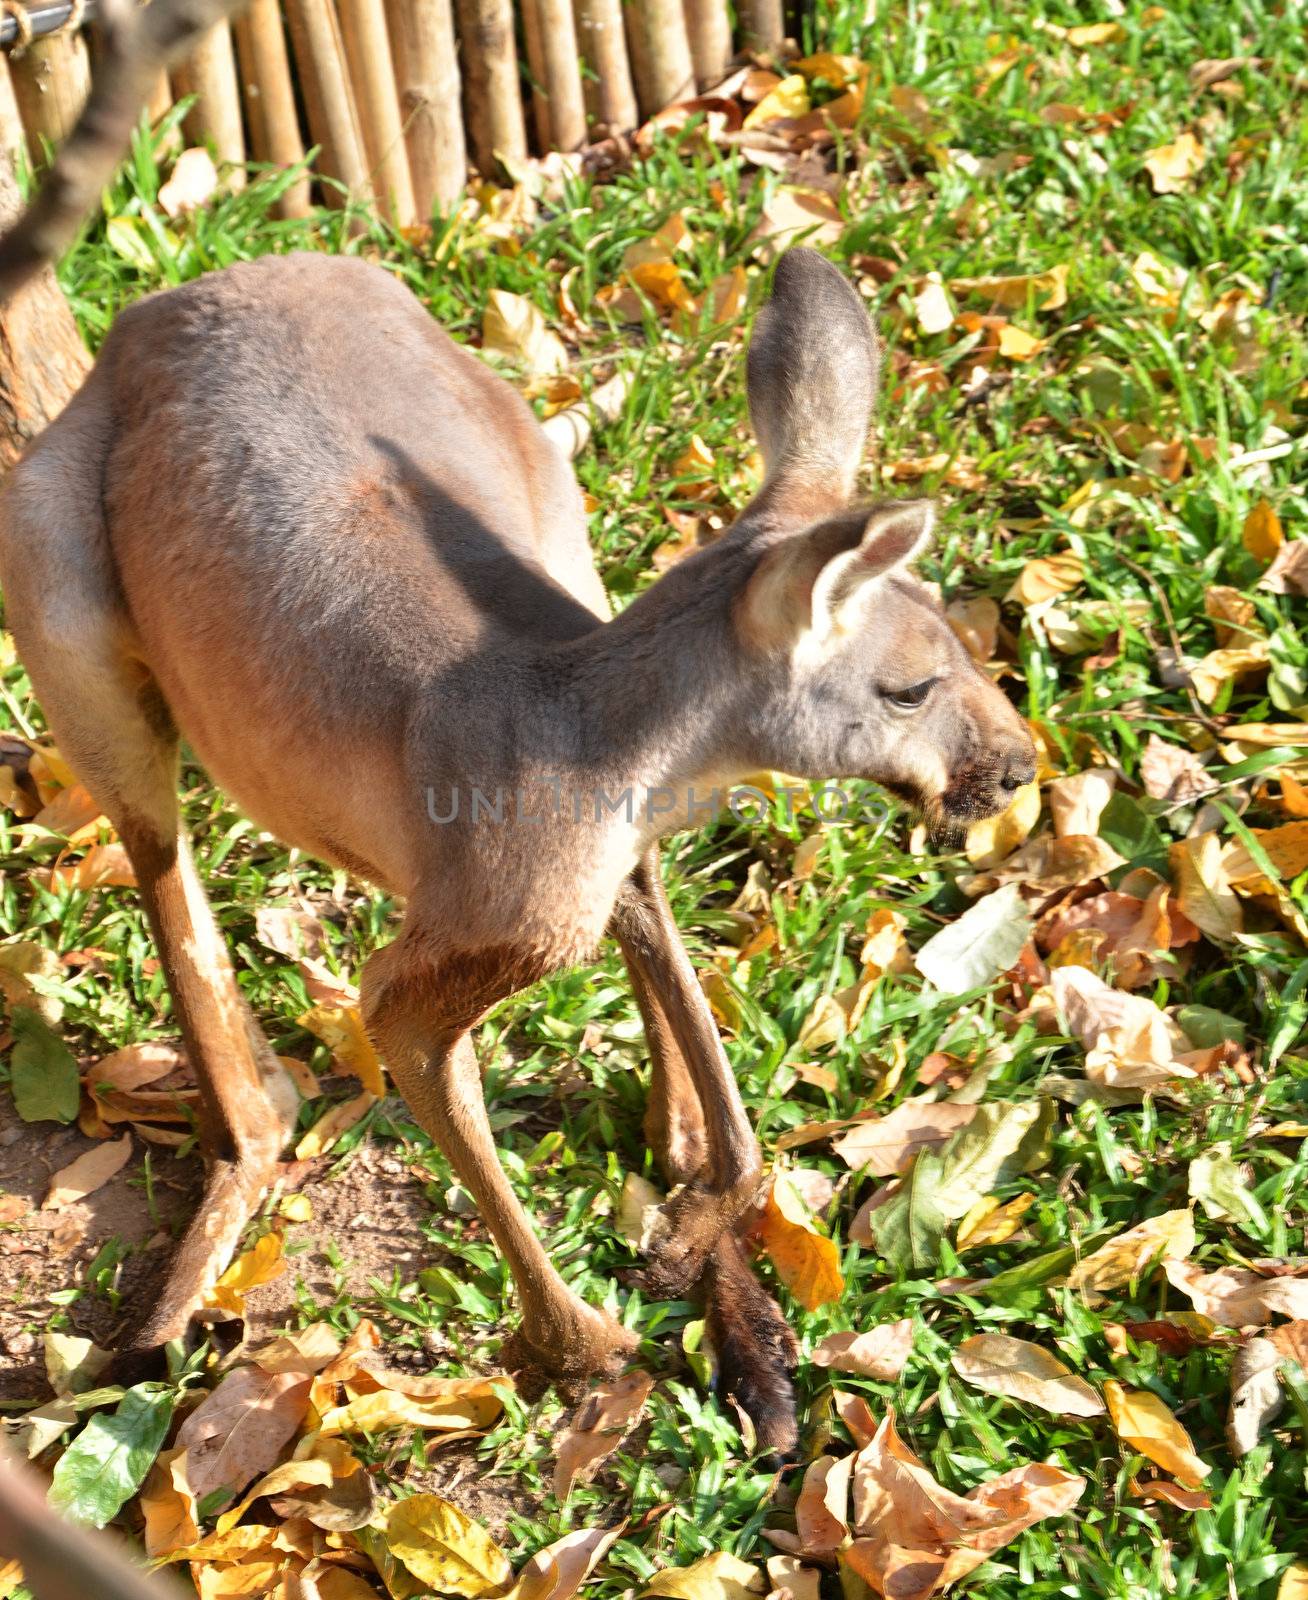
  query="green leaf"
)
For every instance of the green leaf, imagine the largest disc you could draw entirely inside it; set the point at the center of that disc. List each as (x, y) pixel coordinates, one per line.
(1215, 1182)
(107, 1462)
(43, 1071)
(1002, 1140)
(1133, 833)
(909, 1227)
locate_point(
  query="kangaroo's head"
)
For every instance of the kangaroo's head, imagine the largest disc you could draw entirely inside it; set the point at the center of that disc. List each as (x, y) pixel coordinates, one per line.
(856, 671)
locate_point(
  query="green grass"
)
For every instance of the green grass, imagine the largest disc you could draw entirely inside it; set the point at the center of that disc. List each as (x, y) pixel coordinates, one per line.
(1074, 196)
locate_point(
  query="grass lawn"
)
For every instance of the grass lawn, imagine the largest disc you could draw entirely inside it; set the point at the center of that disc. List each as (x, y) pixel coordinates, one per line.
(1114, 434)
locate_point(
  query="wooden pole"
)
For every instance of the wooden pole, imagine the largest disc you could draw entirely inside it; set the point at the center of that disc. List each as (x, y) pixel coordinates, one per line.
(540, 101)
(270, 98)
(609, 90)
(333, 122)
(427, 77)
(764, 24)
(709, 26)
(51, 80)
(210, 74)
(42, 357)
(638, 51)
(372, 70)
(567, 103)
(12, 141)
(671, 72)
(490, 82)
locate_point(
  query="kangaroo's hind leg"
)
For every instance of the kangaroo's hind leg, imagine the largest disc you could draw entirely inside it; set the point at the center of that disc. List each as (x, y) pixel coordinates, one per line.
(111, 723)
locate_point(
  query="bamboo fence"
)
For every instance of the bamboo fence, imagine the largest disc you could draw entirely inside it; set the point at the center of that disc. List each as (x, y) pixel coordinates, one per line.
(397, 96)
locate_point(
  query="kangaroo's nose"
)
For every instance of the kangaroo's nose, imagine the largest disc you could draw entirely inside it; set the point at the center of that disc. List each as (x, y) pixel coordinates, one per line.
(1019, 769)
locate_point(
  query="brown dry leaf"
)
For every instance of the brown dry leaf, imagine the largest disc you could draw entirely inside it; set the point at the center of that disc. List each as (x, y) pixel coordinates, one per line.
(1203, 885)
(306, 1352)
(1209, 674)
(262, 1263)
(792, 1580)
(514, 327)
(1262, 534)
(854, 1411)
(1203, 74)
(597, 1428)
(638, 1208)
(1171, 772)
(83, 1176)
(824, 1026)
(976, 622)
(1045, 577)
(1256, 1397)
(822, 1508)
(793, 216)
(994, 839)
(73, 812)
(1141, 1420)
(806, 1261)
(558, 1570)
(328, 1129)
(1164, 1489)
(932, 306)
(1171, 166)
(1118, 928)
(1286, 847)
(1288, 573)
(341, 1029)
(240, 1429)
(168, 1506)
(289, 930)
(1047, 289)
(662, 283)
(1076, 803)
(12, 1207)
(1130, 1042)
(1023, 1371)
(918, 1538)
(888, 1145)
(191, 183)
(1168, 1237)
(104, 866)
(879, 1353)
(1237, 1297)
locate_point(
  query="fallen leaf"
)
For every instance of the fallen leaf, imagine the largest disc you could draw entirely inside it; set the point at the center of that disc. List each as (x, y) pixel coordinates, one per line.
(1238, 1297)
(107, 1462)
(1016, 344)
(806, 1261)
(329, 1128)
(793, 215)
(887, 1145)
(1076, 803)
(1215, 1182)
(168, 1506)
(1204, 891)
(994, 839)
(598, 1427)
(1288, 573)
(989, 1223)
(822, 1507)
(444, 1549)
(72, 1364)
(880, 1353)
(976, 622)
(1212, 672)
(1294, 1582)
(558, 1570)
(84, 1176)
(240, 1429)
(1166, 1238)
(975, 948)
(1045, 577)
(1141, 1420)
(638, 1207)
(264, 1262)
(1256, 1397)
(1023, 1371)
(515, 327)
(341, 1029)
(290, 930)
(1173, 773)
(43, 1075)
(1262, 533)
(1047, 290)
(791, 1580)
(192, 181)
(714, 1577)
(788, 99)
(1130, 1041)
(932, 307)
(104, 866)
(1171, 166)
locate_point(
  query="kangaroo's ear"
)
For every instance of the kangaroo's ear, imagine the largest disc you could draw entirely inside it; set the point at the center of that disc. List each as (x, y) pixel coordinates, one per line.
(813, 366)
(812, 587)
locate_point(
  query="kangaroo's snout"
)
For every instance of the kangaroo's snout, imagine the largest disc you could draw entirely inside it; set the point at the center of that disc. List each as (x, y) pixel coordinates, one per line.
(999, 758)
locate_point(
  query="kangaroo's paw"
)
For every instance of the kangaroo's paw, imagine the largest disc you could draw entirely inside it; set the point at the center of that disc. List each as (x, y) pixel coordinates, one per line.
(685, 1236)
(590, 1345)
(756, 1349)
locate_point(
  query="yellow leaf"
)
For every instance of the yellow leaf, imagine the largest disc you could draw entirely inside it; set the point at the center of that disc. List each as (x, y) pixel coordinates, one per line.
(261, 1264)
(327, 1130)
(1171, 166)
(788, 99)
(638, 1206)
(1017, 344)
(168, 1506)
(341, 1029)
(254, 1578)
(988, 1222)
(1142, 1421)
(1049, 289)
(444, 1549)
(1294, 1582)
(661, 281)
(1263, 534)
(1218, 666)
(104, 866)
(1090, 33)
(477, 1406)
(932, 306)
(716, 1577)
(993, 839)
(841, 72)
(1167, 1237)
(824, 1026)
(1203, 887)
(513, 326)
(806, 1261)
(1044, 577)
(296, 1208)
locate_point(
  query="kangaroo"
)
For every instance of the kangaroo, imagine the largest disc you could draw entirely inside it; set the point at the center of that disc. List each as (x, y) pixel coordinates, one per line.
(289, 519)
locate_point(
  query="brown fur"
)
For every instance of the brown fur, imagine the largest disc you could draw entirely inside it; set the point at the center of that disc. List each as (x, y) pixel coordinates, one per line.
(287, 515)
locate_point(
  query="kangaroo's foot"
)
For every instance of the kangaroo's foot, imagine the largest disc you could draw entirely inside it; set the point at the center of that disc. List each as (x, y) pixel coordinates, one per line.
(756, 1349)
(592, 1345)
(686, 1235)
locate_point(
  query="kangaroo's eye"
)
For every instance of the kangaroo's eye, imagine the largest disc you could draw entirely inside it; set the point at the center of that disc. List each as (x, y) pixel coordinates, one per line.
(911, 698)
